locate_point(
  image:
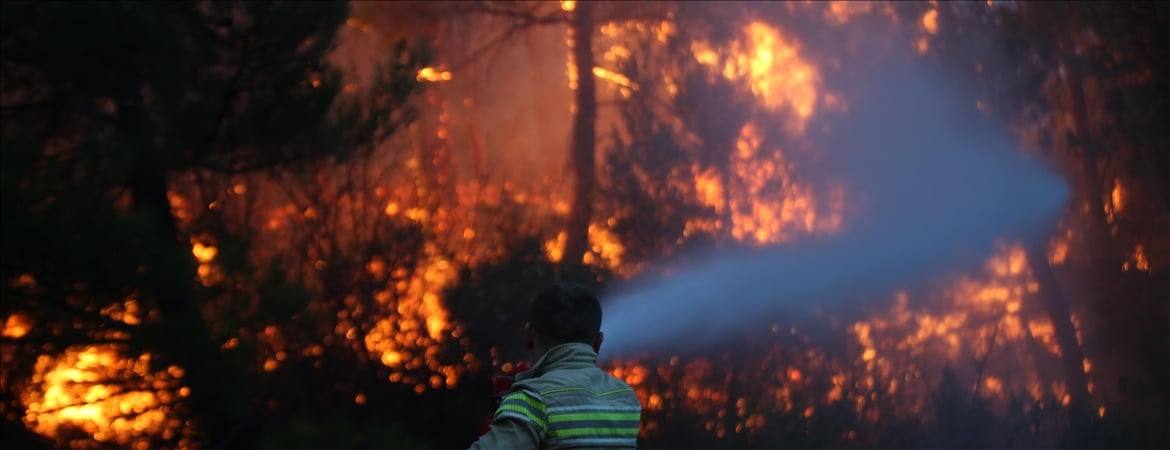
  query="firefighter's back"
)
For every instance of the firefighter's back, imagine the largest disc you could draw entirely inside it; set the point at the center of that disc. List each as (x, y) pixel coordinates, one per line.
(586, 407)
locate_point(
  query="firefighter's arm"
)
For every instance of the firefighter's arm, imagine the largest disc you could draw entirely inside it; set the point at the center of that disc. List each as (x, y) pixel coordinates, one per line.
(520, 423)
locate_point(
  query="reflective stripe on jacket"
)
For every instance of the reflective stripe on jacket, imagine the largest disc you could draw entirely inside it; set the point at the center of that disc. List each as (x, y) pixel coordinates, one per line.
(565, 402)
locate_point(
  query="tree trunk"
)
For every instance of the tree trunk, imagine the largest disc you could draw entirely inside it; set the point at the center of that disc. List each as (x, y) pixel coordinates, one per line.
(581, 157)
(1072, 356)
(1056, 303)
(189, 345)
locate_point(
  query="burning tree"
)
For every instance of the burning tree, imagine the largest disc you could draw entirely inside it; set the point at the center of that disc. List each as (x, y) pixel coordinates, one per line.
(346, 264)
(103, 255)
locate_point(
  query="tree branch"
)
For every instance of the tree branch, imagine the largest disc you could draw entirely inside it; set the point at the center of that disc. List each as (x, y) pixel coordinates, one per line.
(232, 91)
(526, 20)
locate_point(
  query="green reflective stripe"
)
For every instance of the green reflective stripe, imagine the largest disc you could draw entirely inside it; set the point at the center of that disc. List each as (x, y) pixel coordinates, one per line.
(528, 400)
(599, 394)
(606, 416)
(525, 406)
(573, 432)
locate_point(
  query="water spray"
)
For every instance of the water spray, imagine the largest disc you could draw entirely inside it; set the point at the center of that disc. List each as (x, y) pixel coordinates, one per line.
(937, 190)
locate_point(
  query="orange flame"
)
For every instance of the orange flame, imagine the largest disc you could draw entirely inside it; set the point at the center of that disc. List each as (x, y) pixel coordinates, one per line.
(113, 398)
(771, 65)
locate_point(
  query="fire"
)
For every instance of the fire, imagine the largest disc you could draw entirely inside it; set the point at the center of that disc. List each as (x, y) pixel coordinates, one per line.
(405, 325)
(772, 67)
(433, 75)
(772, 206)
(840, 12)
(982, 317)
(605, 250)
(930, 21)
(1117, 200)
(1058, 248)
(625, 85)
(1137, 260)
(16, 326)
(97, 390)
(418, 323)
(205, 253)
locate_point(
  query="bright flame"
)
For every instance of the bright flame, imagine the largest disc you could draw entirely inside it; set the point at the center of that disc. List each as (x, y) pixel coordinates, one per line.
(978, 316)
(773, 69)
(1116, 201)
(205, 254)
(405, 325)
(930, 21)
(115, 399)
(430, 74)
(767, 205)
(605, 250)
(624, 84)
(16, 326)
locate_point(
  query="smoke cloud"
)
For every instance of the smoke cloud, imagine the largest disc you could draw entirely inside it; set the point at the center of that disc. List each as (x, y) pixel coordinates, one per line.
(937, 188)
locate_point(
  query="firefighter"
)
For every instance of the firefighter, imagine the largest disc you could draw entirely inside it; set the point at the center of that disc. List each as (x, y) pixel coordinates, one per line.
(564, 400)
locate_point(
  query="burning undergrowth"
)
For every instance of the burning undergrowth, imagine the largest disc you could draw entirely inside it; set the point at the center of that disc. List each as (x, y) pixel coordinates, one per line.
(703, 143)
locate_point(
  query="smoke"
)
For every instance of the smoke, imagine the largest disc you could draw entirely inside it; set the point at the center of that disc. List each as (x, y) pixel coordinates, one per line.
(937, 188)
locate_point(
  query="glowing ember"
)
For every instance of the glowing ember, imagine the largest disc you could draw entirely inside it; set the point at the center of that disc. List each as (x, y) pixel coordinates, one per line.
(16, 326)
(605, 250)
(1137, 260)
(930, 21)
(430, 74)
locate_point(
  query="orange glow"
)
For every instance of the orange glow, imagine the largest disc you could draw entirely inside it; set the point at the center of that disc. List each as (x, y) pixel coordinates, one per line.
(1058, 249)
(205, 254)
(433, 75)
(922, 45)
(625, 85)
(418, 323)
(977, 314)
(605, 250)
(771, 65)
(400, 320)
(930, 21)
(1137, 260)
(113, 398)
(16, 326)
(760, 214)
(1116, 201)
(840, 12)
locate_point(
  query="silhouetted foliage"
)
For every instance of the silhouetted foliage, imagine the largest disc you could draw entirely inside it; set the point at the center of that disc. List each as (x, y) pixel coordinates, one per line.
(103, 104)
(111, 109)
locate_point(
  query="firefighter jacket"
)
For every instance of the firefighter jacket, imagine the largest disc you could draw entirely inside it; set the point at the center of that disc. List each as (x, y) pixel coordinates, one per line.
(565, 402)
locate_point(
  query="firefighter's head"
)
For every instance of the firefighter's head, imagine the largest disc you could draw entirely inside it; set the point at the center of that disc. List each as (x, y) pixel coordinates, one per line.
(563, 313)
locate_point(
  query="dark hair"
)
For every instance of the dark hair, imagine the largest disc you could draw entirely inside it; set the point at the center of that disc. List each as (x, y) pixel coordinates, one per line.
(565, 312)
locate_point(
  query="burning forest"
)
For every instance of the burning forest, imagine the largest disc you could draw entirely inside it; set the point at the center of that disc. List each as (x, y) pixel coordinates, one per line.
(308, 225)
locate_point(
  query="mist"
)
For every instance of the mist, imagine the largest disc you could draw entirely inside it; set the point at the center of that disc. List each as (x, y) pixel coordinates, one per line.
(931, 188)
